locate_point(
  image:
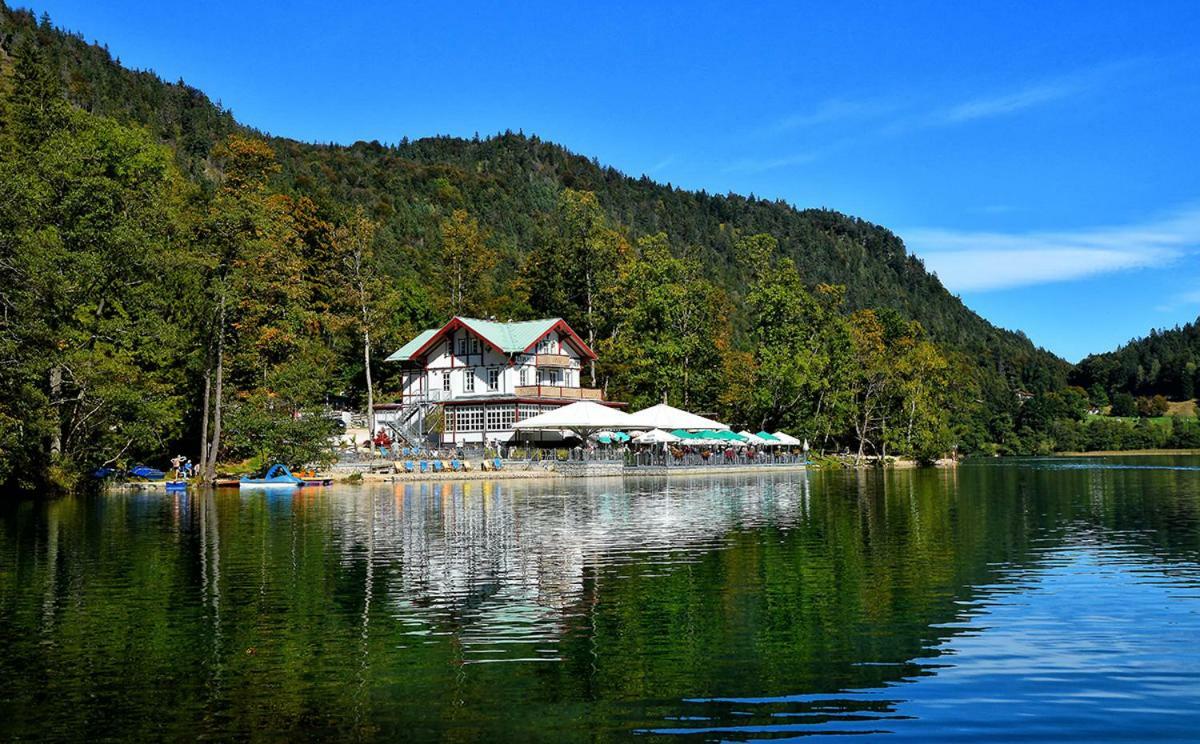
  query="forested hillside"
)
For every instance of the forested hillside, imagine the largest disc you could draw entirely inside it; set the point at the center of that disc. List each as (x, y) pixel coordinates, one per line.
(224, 281)
(1163, 363)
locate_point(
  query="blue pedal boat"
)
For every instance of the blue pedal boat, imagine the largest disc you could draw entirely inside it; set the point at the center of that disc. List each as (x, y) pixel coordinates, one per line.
(277, 477)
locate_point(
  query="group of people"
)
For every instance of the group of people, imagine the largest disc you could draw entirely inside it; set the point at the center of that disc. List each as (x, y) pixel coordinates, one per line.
(183, 467)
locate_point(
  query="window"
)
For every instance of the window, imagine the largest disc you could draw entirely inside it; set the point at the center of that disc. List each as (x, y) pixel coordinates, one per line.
(500, 418)
(468, 418)
(474, 346)
(462, 347)
(493, 379)
(524, 376)
(445, 382)
(548, 377)
(528, 410)
(546, 346)
(469, 380)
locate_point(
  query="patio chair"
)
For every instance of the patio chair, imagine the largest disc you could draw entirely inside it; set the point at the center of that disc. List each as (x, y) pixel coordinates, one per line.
(497, 465)
(424, 466)
(408, 466)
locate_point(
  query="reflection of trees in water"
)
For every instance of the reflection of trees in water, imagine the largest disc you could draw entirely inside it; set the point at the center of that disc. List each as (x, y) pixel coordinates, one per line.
(364, 610)
(500, 562)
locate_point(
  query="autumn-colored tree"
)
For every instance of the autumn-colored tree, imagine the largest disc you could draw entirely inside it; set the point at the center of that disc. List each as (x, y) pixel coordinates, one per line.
(466, 264)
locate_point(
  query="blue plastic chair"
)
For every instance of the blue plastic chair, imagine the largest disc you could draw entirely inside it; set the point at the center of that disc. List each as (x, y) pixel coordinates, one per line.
(437, 466)
(408, 466)
(424, 466)
(497, 465)
(455, 465)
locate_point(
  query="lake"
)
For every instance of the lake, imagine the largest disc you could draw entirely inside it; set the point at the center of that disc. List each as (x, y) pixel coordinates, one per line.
(1052, 599)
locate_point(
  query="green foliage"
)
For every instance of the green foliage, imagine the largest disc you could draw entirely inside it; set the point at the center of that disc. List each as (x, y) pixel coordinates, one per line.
(670, 333)
(1123, 404)
(1162, 363)
(260, 427)
(1150, 407)
(162, 267)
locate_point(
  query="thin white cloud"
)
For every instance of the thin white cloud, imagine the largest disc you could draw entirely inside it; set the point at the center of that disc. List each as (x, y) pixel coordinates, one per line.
(874, 117)
(831, 111)
(968, 261)
(669, 160)
(1009, 103)
(762, 165)
(1190, 298)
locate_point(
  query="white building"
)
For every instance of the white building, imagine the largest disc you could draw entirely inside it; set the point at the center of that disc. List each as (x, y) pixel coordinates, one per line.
(470, 380)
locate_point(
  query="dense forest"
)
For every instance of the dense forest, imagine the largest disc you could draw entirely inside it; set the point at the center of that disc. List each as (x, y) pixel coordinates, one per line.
(172, 280)
(1163, 363)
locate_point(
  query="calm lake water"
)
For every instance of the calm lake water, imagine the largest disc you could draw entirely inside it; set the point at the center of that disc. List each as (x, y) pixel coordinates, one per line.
(1040, 600)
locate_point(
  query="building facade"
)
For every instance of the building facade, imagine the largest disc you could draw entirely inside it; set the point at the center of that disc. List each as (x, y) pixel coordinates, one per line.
(470, 380)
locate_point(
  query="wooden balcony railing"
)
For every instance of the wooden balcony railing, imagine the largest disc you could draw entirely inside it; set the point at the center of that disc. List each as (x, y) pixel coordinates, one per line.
(558, 392)
(553, 360)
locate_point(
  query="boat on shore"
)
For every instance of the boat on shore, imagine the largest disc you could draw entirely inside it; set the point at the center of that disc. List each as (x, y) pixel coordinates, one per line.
(277, 477)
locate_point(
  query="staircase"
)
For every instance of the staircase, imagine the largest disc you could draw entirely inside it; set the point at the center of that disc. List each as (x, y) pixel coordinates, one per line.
(411, 423)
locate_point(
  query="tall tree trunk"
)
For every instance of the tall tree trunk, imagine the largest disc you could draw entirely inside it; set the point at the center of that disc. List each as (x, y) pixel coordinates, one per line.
(56, 433)
(367, 366)
(591, 328)
(203, 464)
(211, 472)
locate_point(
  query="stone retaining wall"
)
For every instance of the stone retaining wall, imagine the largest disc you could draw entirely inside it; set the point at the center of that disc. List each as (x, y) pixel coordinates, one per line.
(590, 468)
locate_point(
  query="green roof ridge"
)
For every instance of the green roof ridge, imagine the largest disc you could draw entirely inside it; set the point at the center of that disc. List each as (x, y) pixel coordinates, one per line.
(512, 336)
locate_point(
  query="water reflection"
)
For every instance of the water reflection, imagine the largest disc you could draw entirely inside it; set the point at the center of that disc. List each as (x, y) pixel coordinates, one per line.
(946, 603)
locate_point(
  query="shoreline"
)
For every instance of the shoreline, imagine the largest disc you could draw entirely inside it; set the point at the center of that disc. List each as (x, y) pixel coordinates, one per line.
(1127, 453)
(345, 478)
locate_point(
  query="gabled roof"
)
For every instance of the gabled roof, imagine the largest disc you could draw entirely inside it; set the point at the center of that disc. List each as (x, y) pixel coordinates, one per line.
(512, 337)
(404, 353)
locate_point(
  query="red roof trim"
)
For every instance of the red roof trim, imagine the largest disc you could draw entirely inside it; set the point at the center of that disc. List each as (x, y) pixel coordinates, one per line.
(572, 336)
(453, 325)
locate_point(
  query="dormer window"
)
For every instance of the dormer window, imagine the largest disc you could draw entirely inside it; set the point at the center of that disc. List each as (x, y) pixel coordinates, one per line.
(546, 346)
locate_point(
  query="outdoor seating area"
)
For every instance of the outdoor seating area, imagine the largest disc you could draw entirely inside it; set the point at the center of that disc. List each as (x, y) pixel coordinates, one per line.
(662, 436)
(452, 465)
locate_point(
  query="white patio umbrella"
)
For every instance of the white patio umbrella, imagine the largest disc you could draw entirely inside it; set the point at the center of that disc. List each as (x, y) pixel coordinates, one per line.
(656, 436)
(787, 439)
(583, 418)
(663, 416)
(752, 438)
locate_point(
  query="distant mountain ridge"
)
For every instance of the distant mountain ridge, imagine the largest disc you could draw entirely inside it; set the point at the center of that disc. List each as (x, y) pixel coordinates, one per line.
(509, 183)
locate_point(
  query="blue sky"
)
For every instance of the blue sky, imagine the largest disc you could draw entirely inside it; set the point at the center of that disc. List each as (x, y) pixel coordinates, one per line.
(1041, 157)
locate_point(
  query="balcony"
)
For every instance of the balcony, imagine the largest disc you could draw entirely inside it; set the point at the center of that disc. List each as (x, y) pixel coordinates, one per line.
(553, 360)
(558, 392)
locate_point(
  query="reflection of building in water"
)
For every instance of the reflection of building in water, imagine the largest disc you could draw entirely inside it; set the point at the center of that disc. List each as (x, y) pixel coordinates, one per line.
(504, 563)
